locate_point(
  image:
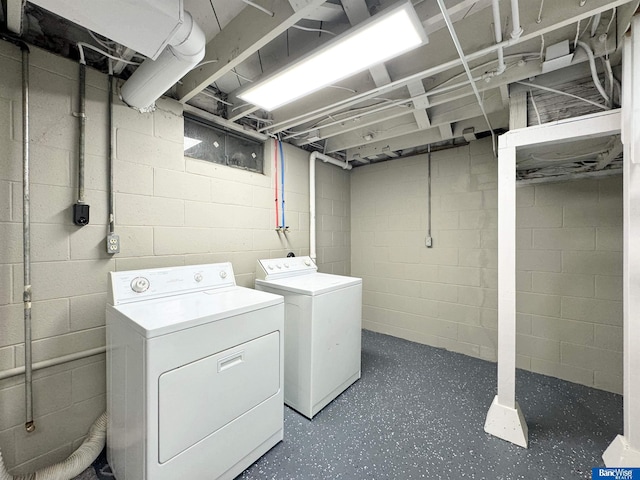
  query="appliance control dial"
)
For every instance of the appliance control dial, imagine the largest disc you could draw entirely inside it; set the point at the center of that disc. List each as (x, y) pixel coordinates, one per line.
(279, 266)
(140, 284)
(307, 263)
(198, 277)
(223, 274)
(270, 267)
(286, 265)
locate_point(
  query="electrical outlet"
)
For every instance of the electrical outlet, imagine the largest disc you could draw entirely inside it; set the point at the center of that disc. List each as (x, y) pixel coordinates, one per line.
(113, 243)
(428, 241)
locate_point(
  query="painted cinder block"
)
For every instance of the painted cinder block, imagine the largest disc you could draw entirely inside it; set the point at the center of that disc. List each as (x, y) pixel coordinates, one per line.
(62, 279)
(609, 287)
(539, 217)
(87, 311)
(575, 285)
(595, 263)
(50, 317)
(565, 372)
(536, 347)
(553, 328)
(141, 210)
(149, 150)
(538, 304)
(609, 382)
(61, 345)
(186, 186)
(132, 178)
(595, 359)
(564, 239)
(605, 312)
(609, 337)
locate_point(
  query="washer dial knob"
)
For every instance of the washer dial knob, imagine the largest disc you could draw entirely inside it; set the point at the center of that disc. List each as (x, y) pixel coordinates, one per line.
(223, 274)
(139, 284)
(307, 263)
(198, 277)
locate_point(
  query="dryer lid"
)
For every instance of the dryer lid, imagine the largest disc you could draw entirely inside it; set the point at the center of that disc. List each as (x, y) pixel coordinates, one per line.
(311, 284)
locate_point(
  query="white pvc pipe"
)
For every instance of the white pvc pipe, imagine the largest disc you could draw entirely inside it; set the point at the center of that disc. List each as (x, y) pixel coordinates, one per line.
(515, 13)
(154, 77)
(13, 372)
(312, 194)
(497, 27)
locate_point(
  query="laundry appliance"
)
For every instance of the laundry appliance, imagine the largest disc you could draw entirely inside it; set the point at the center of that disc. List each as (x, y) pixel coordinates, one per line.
(323, 322)
(194, 373)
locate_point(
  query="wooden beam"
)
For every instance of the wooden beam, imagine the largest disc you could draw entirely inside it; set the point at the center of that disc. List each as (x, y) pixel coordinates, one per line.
(241, 38)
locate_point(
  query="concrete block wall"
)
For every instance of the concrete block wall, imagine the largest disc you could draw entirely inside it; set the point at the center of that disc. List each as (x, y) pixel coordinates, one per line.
(170, 210)
(569, 263)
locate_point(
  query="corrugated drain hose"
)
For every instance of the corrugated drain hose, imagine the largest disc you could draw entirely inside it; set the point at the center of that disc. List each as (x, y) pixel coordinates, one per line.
(75, 464)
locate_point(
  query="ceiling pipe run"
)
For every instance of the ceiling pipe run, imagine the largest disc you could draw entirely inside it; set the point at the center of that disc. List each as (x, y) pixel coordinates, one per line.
(515, 13)
(312, 194)
(497, 27)
(155, 77)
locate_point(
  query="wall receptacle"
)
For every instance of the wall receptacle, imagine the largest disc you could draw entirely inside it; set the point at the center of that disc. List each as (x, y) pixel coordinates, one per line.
(113, 243)
(428, 242)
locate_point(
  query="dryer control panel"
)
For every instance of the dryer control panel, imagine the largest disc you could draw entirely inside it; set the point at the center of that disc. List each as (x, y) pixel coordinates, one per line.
(272, 268)
(137, 285)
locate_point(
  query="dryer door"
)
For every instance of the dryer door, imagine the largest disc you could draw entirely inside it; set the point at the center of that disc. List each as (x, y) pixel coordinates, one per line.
(200, 398)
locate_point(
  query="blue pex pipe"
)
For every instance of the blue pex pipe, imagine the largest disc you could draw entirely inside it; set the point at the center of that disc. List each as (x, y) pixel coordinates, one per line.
(282, 182)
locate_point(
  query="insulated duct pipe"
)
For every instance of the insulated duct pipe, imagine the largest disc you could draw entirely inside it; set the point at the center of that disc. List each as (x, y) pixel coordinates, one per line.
(75, 464)
(154, 77)
(312, 194)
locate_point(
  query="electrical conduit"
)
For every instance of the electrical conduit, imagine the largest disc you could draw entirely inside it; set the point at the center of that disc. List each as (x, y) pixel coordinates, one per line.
(312, 194)
(26, 233)
(75, 464)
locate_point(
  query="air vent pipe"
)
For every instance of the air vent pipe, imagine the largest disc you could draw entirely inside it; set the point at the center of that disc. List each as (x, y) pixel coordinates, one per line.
(154, 77)
(312, 194)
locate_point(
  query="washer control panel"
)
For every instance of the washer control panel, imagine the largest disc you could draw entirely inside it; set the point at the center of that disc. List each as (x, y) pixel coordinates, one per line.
(136, 285)
(284, 267)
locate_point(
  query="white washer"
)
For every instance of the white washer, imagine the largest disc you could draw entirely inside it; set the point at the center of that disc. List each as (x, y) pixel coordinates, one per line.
(194, 373)
(323, 323)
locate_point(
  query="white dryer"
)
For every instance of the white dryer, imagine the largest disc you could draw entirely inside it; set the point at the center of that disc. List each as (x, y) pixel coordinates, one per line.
(194, 373)
(323, 323)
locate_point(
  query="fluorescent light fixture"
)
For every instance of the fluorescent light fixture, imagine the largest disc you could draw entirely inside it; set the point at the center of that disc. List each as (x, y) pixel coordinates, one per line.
(190, 142)
(384, 36)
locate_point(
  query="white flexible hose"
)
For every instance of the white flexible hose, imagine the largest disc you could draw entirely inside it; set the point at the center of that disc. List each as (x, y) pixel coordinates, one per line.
(75, 464)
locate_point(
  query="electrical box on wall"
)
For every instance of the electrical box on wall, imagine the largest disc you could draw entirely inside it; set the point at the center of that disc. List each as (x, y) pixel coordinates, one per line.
(81, 214)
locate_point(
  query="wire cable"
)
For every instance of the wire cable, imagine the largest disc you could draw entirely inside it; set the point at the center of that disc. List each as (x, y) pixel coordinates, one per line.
(102, 52)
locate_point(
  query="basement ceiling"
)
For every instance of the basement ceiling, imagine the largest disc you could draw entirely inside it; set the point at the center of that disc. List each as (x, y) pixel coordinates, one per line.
(397, 108)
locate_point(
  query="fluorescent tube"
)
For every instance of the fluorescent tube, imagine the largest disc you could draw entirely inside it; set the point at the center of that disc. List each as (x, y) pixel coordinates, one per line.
(384, 36)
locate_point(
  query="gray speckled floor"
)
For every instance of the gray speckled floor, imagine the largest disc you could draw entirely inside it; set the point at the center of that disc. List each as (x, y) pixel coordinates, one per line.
(418, 412)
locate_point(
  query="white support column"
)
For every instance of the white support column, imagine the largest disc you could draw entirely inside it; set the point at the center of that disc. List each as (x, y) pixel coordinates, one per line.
(624, 451)
(505, 419)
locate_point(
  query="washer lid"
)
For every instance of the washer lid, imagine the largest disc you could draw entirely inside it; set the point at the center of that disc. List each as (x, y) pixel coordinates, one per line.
(157, 317)
(311, 284)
